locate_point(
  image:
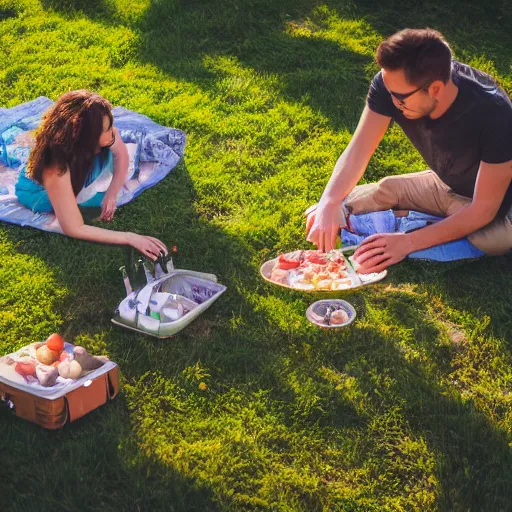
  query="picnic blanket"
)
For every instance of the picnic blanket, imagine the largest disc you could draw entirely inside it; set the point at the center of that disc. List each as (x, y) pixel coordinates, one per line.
(154, 151)
(366, 224)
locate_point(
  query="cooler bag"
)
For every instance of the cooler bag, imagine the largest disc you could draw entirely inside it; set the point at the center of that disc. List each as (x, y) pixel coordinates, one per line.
(62, 403)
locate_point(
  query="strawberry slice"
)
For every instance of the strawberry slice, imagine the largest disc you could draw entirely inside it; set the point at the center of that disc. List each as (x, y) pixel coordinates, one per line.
(287, 263)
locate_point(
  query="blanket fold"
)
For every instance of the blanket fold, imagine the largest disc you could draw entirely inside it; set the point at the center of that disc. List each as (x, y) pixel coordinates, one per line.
(366, 224)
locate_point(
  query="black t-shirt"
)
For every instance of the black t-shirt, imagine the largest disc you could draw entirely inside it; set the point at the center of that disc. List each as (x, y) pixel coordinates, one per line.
(476, 127)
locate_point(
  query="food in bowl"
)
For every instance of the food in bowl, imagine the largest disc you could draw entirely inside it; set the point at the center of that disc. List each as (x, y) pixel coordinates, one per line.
(331, 313)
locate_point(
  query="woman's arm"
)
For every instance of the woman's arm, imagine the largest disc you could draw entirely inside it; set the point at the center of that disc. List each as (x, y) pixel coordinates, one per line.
(121, 163)
(71, 221)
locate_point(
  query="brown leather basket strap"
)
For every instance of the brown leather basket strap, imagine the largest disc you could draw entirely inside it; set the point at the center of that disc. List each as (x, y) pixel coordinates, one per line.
(87, 398)
(113, 382)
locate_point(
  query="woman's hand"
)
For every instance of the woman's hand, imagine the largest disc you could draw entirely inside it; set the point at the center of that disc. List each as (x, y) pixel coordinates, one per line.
(323, 224)
(147, 245)
(108, 206)
(381, 250)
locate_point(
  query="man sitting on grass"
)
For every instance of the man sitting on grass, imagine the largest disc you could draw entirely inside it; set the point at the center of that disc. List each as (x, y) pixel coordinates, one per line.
(461, 123)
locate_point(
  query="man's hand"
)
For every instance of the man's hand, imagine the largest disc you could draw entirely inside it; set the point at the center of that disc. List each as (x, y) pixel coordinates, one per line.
(381, 250)
(323, 224)
(109, 206)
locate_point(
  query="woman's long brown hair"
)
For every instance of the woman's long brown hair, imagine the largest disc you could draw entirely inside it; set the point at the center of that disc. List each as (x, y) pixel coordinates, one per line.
(68, 136)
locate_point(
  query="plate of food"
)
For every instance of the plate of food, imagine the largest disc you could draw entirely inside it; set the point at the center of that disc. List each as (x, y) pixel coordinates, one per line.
(314, 271)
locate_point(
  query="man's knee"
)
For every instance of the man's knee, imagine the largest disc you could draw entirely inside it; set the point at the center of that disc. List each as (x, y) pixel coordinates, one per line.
(494, 239)
(374, 196)
(387, 191)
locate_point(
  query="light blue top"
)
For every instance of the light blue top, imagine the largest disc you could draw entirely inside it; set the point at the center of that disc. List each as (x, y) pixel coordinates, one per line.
(33, 195)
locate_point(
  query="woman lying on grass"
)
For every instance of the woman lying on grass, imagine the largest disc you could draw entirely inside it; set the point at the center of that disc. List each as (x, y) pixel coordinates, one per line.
(76, 143)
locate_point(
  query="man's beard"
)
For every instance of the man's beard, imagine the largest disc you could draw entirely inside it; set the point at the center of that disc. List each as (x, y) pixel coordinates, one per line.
(432, 107)
(417, 114)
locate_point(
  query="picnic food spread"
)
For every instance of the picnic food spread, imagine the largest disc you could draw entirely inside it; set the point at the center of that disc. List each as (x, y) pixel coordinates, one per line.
(311, 270)
(54, 383)
(49, 364)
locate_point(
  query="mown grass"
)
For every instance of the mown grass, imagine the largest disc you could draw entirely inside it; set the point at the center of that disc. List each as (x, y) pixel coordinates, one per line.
(251, 408)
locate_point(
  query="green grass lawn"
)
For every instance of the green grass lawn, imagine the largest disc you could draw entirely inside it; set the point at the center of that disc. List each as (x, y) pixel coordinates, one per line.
(251, 407)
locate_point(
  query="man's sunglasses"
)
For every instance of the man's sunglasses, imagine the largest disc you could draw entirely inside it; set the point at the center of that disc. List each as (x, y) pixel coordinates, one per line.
(402, 97)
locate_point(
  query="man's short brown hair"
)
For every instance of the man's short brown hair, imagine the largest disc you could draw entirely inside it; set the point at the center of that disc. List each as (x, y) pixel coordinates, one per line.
(423, 54)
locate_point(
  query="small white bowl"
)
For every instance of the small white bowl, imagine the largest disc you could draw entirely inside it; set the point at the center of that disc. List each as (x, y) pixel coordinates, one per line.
(316, 312)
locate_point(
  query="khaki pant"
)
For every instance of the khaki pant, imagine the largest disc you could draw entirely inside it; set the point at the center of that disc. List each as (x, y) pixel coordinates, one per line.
(425, 192)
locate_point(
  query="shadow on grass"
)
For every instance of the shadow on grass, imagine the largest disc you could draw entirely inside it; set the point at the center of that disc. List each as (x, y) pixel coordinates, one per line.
(98, 10)
(330, 78)
(176, 38)
(236, 356)
(480, 287)
(473, 459)
(317, 72)
(93, 464)
(474, 29)
(97, 459)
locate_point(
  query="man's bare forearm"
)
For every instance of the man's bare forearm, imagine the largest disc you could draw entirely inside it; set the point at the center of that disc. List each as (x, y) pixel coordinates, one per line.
(347, 172)
(352, 163)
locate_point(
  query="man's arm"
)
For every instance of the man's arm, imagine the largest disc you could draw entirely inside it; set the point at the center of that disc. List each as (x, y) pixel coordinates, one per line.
(323, 223)
(491, 186)
(382, 250)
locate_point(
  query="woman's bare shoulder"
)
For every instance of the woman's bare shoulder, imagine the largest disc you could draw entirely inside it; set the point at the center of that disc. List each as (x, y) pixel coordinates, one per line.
(53, 174)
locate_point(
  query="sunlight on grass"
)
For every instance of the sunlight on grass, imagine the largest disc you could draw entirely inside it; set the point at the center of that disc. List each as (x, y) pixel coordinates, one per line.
(249, 441)
(29, 298)
(324, 23)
